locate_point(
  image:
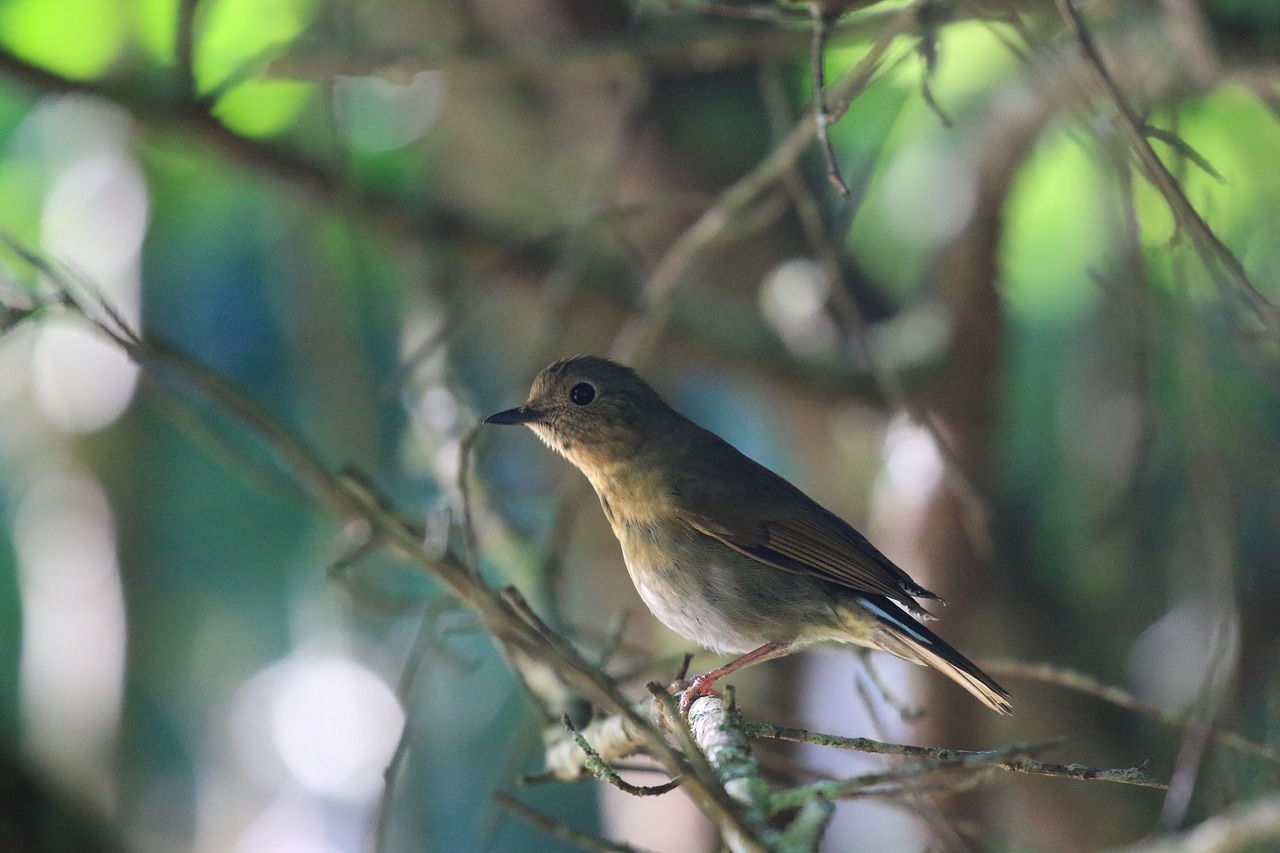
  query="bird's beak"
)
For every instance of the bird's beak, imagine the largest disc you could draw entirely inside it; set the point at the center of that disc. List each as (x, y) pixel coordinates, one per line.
(522, 415)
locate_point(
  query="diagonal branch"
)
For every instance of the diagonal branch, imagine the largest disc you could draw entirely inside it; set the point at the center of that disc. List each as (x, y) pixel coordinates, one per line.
(1214, 254)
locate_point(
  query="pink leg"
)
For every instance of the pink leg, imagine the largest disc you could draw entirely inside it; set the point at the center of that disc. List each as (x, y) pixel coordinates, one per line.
(702, 685)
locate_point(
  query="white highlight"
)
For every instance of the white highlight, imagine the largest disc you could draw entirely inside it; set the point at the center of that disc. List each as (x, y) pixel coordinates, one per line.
(81, 382)
(793, 300)
(929, 192)
(289, 824)
(376, 114)
(93, 222)
(73, 629)
(329, 722)
(913, 465)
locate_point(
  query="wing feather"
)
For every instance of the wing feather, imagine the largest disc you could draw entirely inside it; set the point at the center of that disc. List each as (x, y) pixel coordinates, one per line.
(767, 518)
(820, 549)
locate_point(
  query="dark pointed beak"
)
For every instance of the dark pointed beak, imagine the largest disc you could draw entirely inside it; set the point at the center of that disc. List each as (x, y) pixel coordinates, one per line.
(522, 415)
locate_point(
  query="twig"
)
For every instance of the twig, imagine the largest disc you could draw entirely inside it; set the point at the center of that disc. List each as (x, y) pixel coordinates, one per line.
(1081, 683)
(724, 759)
(422, 644)
(642, 332)
(822, 21)
(929, 26)
(1213, 252)
(556, 829)
(906, 712)
(893, 779)
(518, 632)
(184, 46)
(465, 460)
(1211, 509)
(605, 772)
(325, 186)
(1127, 775)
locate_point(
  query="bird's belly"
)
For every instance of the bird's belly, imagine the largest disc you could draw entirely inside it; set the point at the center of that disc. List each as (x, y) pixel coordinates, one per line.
(687, 610)
(726, 601)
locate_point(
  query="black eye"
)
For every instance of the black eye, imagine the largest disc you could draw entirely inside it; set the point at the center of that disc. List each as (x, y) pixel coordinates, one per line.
(582, 394)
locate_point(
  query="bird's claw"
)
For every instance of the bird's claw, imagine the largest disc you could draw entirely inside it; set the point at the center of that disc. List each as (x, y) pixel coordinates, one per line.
(690, 690)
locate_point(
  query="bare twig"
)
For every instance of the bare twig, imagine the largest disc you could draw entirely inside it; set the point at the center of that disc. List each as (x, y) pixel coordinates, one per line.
(822, 21)
(1214, 254)
(514, 627)
(1081, 683)
(1211, 500)
(906, 777)
(605, 772)
(465, 460)
(556, 829)
(641, 334)
(1127, 776)
(423, 644)
(184, 46)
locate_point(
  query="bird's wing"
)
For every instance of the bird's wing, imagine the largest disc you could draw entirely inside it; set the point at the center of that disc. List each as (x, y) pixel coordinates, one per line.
(816, 542)
(760, 514)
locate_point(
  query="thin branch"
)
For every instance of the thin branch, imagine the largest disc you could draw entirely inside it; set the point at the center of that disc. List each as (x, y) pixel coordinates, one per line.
(556, 829)
(890, 781)
(517, 631)
(638, 338)
(605, 772)
(465, 462)
(725, 760)
(821, 117)
(184, 46)
(423, 644)
(1213, 252)
(1211, 509)
(1087, 684)
(1127, 775)
(397, 215)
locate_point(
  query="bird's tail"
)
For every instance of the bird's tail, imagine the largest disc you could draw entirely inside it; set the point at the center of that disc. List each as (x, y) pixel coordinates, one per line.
(901, 635)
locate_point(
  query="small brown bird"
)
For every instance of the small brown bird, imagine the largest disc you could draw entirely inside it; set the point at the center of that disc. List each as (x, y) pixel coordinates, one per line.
(721, 549)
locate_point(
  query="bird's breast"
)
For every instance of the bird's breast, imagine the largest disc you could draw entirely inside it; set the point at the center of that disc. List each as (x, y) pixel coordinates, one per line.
(629, 494)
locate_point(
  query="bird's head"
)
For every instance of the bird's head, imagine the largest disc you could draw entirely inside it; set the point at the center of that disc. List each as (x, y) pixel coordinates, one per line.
(591, 410)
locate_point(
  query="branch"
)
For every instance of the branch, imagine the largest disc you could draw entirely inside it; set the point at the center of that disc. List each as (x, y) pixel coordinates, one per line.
(558, 830)
(605, 772)
(1127, 776)
(638, 338)
(1214, 254)
(323, 185)
(1253, 826)
(518, 631)
(1087, 684)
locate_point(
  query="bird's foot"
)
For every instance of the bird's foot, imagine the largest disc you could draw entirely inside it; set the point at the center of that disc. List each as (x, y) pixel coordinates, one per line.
(690, 690)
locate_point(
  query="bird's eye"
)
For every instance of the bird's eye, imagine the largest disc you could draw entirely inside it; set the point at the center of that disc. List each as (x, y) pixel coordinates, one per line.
(582, 394)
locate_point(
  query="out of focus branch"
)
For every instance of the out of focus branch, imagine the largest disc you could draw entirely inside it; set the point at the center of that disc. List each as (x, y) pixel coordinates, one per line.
(192, 115)
(558, 830)
(1252, 826)
(642, 333)
(1090, 686)
(518, 632)
(1214, 254)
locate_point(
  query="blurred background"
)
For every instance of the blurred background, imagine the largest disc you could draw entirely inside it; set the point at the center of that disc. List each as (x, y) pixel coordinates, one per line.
(1013, 360)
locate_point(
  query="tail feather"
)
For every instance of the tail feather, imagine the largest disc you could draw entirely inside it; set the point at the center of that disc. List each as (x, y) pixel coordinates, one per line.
(908, 639)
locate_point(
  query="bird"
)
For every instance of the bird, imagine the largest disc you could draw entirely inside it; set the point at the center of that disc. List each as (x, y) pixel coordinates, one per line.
(722, 550)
